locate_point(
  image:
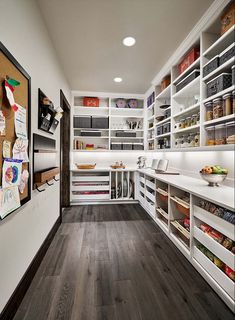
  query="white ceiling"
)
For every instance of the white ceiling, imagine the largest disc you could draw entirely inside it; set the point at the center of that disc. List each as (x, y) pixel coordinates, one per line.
(87, 35)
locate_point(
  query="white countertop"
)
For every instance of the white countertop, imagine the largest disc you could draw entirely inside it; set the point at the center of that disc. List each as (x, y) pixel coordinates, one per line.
(223, 195)
(97, 169)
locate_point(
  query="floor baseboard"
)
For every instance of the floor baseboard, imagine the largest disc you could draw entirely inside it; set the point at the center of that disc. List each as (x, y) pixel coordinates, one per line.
(15, 300)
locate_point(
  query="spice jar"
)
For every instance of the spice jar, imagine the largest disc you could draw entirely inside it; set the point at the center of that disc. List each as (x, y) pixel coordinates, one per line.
(198, 117)
(230, 132)
(217, 108)
(182, 124)
(209, 110)
(188, 122)
(210, 141)
(233, 94)
(220, 134)
(197, 139)
(227, 104)
(194, 120)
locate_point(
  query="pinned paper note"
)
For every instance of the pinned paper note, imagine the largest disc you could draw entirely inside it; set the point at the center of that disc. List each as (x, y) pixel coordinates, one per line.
(9, 92)
(23, 180)
(11, 171)
(20, 150)
(9, 200)
(2, 124)
(6, 149)
(13, 82)
(20, 122)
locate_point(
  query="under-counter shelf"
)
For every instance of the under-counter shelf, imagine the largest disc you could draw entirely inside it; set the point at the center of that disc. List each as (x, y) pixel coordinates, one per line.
(217, 249)
(162, 213)
(150, 196)
(181, 229)
(221, 225)
(150, 184)
(218, 275)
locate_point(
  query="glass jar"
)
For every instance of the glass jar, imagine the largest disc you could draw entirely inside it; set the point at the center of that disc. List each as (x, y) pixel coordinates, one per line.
(233, 94)
(182, 141)
(188, 122)
(220, 134)
(198, 117)
(182, 124)
(194, 120)
(177, 142)
(209, 110)
(197, 139)
(227, 104)
(210, 141)
(217, 108)
(230, 132)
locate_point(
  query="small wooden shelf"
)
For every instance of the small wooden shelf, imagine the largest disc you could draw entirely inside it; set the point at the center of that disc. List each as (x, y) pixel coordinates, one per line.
(46, 175)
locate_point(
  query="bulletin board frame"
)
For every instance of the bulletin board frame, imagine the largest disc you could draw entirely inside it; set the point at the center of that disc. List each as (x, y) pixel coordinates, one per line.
(16, 66)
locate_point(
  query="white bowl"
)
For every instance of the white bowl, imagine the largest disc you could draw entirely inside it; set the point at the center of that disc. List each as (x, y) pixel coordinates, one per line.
(213, 179)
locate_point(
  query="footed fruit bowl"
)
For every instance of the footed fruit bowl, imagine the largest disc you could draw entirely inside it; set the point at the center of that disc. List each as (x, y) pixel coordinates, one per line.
(213, 179)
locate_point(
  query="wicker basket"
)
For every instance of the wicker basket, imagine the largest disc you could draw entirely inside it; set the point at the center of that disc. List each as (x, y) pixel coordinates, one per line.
(85, 166)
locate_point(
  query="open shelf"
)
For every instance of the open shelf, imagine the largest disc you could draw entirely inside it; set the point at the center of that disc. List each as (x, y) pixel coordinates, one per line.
(190, 89)
(194, 65)
(220, 94)
(163, 121)
(225, 66)
(186, 111)
(191, 128)
(165, 94)
(220, 120)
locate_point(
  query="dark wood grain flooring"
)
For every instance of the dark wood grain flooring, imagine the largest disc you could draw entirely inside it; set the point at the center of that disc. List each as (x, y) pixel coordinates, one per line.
(112, 262)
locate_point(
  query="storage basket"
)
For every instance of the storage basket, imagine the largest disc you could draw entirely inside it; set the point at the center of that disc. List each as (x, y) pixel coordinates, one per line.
(219, 83)
(193, 75)
(227, 54)
(188, 59)
(100, 122)
(91, 133)
(90, 102)
(211, 65)
(138, 146)
(82, 122)
(116, 146)
(126, 146)
(125, 134)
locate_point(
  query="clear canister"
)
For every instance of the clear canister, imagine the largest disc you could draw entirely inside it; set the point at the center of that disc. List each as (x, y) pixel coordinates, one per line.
(210, 141)
(227, 104)
(197, 139)
(230, 132)
(220, 134)
(209, 110)
(217, 108)
(182, 124)
(194, 120)
(188, 122)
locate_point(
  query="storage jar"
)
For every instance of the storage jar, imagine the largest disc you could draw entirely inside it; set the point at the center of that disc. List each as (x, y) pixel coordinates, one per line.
(209, 110)
(188, 122)
(198, 117)
(192, 140)
(197, 139)
(177, 143)
(230, 132)
(220, 134)
(194, 120)
(227, 104)
(217, 108)
(182, 124)
(210, 141)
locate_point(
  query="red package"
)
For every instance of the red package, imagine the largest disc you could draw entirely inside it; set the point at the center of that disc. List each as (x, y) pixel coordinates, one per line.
(230, 273)
(205, 228)
(216, 235)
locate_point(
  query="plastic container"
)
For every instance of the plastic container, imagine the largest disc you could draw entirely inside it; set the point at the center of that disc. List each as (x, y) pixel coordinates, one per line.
(188, 122)
(182, 124)
(116, 146)
(194, 120)
(100, 122)
(209, 110)
(82, 122)
(210, 141)
(230, 132)
(220, 134)
(217, 108)
(127, 146)
(197, 139)
(227, 104)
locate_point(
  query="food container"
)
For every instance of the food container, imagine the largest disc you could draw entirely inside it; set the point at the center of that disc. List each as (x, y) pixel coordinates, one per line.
(159, 130)
(182, 124)
(227, 104)
(177, 142)
(191, 140)
(228, 18)
(127, 146)
(91, 102)
(217, 108)
(188, 59)
(188, 122)
(165, 83)
(125, 134)
(138, 146)
(167, 127)
(227, 54)
(82, 122)
(193, 75)
(194, 120)
(100, 122)
(219, 83)
(233, 75)
(230, 132)
(210, 141)
(220, 134)
(197, 139)
(177, 126)
(211, 66)
(209, 110)
(116, 146)
(90, 133)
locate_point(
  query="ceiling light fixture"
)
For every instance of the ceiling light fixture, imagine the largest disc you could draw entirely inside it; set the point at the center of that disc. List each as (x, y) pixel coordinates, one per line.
(117, 79)
(128, 41)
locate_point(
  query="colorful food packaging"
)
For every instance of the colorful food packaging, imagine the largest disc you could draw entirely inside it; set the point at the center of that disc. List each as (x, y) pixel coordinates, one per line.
(230, 273)
(218, 262)
(216, 235)
(205, 228)
(228, 243)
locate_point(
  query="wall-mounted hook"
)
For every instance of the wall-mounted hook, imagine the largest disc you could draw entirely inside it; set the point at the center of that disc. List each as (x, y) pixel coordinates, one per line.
(56, 179)
(49, 184)
(39, 189)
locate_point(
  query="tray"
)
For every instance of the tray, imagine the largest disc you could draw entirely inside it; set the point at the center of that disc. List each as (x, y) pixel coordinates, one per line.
(117, 167)
(85, 166)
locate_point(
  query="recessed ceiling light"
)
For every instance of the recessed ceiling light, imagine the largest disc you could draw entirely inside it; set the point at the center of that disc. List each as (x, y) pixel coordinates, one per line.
(117, 79)
(128, 41)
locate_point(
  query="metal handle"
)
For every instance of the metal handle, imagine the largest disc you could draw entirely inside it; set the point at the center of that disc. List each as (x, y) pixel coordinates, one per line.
(49, 184)
(39, 189)
(56, 179)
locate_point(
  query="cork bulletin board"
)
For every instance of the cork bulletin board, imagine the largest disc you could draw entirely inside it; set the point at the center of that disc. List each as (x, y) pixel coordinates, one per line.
(9, 67)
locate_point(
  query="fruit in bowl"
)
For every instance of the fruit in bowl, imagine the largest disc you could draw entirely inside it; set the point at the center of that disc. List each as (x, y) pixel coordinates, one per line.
(214, 175)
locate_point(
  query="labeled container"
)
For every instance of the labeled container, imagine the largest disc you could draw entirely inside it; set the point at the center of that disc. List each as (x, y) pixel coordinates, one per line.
(210, 141)
(126, 146)
(220, 134)
(230, 132)
(182, 124)
(188, 59)
(219, 83)
(138, 146)
(227, 54)
(197, 139)
(100, 122)
(217, 108)
(209, 110)
(211, 66)
(193, 75)
(228, 18)
(188, 122)
(227, 104)
(82, 122)
(116, 146)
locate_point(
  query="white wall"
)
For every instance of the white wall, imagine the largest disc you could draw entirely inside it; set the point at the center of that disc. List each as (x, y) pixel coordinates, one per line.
(23, 32)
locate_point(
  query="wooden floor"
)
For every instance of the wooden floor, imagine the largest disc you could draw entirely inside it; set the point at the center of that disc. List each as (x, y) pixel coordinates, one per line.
(112, 262)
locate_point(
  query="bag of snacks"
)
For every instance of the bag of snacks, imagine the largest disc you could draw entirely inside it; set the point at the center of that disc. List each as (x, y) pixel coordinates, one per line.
(209, 255)
(229, 216)
(205, 228)
(228, 243)
(218, 262)
(230, 273)
(216, 235)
